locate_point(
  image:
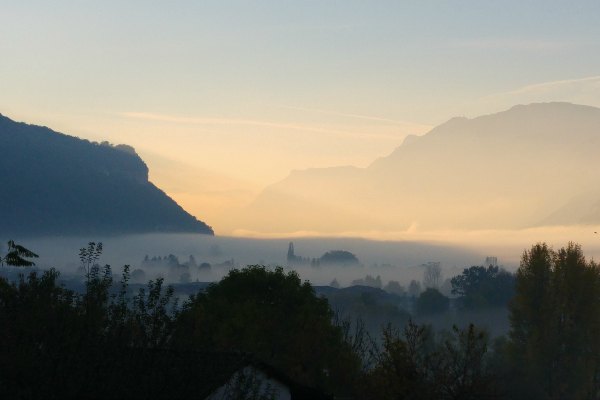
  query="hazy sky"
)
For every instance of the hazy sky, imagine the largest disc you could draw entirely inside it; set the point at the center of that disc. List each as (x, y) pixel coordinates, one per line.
(224, 97)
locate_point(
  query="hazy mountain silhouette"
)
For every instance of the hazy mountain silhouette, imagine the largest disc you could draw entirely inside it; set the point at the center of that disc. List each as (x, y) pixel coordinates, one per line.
(518, 168)
(54, 184)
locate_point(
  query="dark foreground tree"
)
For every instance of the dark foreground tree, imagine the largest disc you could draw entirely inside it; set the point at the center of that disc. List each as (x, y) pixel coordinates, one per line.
(40, 331)
(414, 365)
(555, 324)
(276, 317)
(17, 256)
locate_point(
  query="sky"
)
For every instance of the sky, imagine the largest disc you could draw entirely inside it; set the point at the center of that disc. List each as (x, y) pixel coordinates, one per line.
(222, 98)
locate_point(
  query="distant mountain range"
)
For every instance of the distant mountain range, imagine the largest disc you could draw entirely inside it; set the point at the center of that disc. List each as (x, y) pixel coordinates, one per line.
(54, 184)
(528, 166)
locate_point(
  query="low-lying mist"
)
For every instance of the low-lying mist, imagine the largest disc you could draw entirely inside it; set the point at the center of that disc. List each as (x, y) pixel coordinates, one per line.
(389, 259)
(400, 260)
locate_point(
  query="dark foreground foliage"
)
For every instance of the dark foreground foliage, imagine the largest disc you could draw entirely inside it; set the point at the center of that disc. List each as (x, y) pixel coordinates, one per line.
(110, 343)
(60, 344)
(276, 317)
(414, 365)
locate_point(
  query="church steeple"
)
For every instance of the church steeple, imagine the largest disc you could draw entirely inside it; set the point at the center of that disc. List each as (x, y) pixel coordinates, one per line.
(291, 257)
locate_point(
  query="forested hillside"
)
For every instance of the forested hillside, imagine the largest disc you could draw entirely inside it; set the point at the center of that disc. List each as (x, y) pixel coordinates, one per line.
(55, 184)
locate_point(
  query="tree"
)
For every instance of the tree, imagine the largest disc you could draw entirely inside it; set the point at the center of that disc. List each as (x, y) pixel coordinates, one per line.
(431, 301)
(152, 315)
(460, 369)
(40, 330)
(432, 276)
(17, 256)
(60, 344)
(414, 365)
(341, 257)
(479, 286)
(555, 323)
(401, 371)
(276, 317)
(531, 308)
(88, 257)
(414, 288)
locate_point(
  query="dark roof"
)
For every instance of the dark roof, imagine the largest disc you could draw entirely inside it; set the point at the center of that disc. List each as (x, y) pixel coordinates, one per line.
(297, 391)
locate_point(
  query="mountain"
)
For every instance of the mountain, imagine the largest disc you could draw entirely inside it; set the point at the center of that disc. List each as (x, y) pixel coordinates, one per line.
(55, 184)
(523, 167)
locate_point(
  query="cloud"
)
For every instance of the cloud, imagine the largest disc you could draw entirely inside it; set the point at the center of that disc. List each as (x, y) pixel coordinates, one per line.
(591, 82)
(326, 28)
(266, 124)
(512, 44)
(356, 116)
(230, 121)
(584, 91)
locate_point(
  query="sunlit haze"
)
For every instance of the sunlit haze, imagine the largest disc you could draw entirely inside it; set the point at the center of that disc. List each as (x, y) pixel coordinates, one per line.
(223, 99)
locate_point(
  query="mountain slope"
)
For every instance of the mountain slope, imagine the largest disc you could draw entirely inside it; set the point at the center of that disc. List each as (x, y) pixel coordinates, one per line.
(508, 170)
(54, 184)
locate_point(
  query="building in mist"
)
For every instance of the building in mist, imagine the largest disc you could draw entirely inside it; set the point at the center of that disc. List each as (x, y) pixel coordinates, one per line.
(293, 259)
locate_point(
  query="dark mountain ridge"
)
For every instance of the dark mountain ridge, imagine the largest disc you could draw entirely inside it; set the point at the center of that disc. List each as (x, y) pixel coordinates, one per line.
(55, 184)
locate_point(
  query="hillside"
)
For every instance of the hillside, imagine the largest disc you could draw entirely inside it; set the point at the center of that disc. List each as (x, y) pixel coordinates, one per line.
(519, 168)
(55, 184)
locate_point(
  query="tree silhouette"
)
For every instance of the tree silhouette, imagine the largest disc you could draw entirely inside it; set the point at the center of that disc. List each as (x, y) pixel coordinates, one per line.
(89, 256)
(431, 301)
(414, 365)
(479, 286)
(555, 323)
(432, 276)
(274, 316)
(17, 256)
